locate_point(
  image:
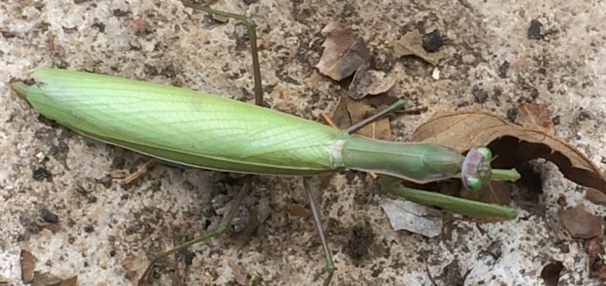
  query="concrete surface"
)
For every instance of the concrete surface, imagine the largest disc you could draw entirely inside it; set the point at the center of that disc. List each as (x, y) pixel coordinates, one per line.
(107, 233)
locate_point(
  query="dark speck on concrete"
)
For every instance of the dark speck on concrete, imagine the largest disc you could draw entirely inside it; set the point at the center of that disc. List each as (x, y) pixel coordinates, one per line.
(534, 30)
(48, 216)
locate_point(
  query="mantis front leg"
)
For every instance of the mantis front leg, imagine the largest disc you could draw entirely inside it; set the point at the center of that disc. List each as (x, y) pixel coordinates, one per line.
(475, 173)
(446, 202)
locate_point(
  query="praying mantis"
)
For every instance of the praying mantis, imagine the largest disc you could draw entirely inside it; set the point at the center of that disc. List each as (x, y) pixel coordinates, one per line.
(206, 131)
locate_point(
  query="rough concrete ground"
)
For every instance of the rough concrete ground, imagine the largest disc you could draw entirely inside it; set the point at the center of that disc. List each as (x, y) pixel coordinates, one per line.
(107, 234)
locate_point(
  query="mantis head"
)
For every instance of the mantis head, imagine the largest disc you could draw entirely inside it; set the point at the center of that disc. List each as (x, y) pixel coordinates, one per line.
(476, 170)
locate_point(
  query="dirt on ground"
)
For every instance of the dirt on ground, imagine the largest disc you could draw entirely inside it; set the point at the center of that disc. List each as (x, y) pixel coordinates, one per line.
(66, 220)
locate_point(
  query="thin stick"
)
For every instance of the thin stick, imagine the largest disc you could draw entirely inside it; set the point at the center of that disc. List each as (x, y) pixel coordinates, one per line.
(140, 172)
(329, 121)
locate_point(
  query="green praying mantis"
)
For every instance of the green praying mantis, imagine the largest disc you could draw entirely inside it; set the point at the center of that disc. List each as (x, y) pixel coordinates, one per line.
(202, 130)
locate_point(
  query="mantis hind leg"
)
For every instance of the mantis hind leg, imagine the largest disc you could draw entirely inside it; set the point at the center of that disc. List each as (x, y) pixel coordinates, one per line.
(251, 27)
(330, 264)
(220, 229)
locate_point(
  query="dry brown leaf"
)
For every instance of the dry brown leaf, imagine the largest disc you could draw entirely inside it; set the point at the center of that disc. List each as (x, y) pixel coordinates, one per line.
(30, 276)
(382, 101)
(380, 129)
(343, 54)
(369, 82)
(72, 281)
(358, 111)
(412, 44)
(340, 115)
(595, 196)
(349, 111)
(511, 144)
(133, 266)
(581, 223)
(239, 273)
(535, 116)
(28, 263)
(595, 252)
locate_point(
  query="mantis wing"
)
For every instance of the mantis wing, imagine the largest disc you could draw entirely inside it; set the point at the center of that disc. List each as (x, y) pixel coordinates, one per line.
(180, 125)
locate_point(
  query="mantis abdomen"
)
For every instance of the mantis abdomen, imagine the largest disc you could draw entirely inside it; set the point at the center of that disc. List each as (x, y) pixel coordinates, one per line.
(202, 130)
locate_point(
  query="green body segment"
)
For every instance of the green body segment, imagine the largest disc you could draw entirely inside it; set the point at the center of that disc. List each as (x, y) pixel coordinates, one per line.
(416, 162)
(180, 125)
(202, 130)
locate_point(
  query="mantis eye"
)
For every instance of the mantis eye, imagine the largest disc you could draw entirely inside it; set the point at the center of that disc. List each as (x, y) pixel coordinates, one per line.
(486, 153)
(475, 170)
(473, 184)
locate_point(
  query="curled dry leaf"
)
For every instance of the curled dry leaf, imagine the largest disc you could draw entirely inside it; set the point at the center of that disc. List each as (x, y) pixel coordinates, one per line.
(581, 223)
(345, 54)
(411, 44)
(340, 115)
(511, 144)
(31, 276)
(535, 116)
